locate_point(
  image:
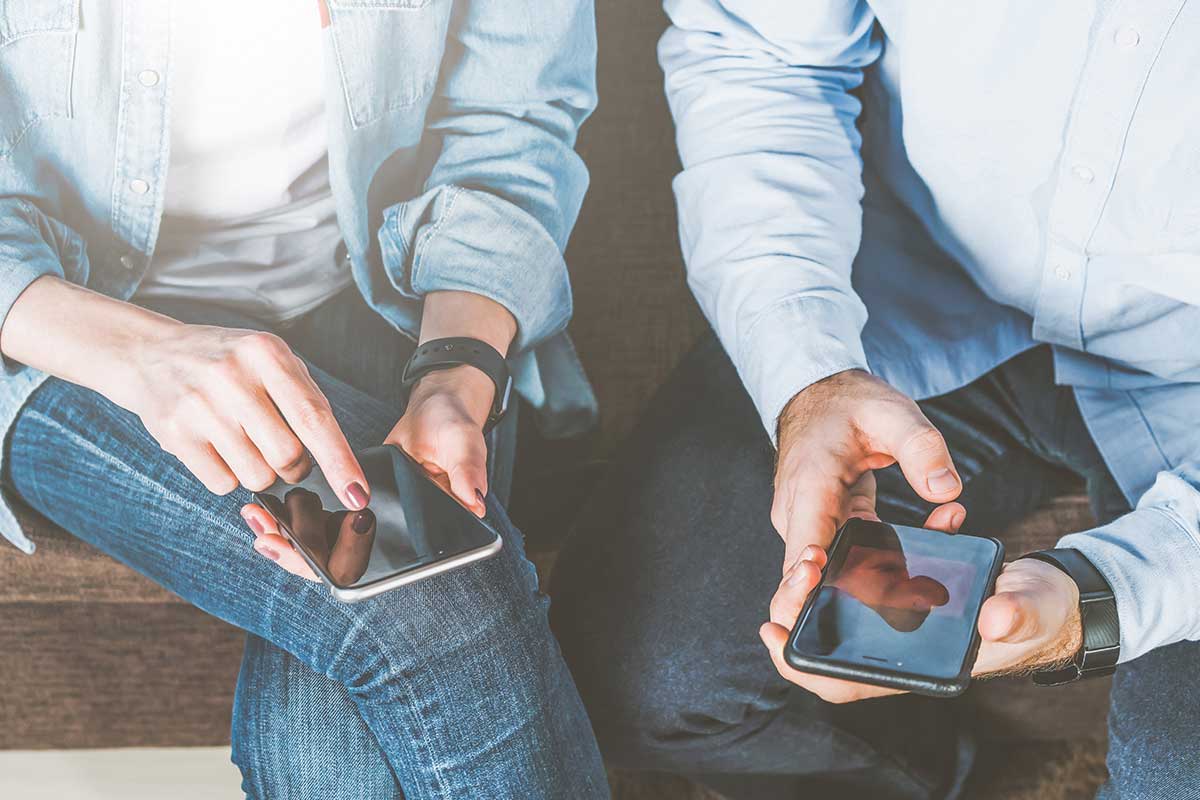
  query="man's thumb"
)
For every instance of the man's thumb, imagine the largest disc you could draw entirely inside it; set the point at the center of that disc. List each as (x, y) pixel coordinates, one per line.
(1008, 617)
(921, 451)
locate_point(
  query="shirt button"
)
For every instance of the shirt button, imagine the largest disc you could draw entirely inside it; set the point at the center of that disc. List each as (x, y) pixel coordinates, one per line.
(148, 77)
(127, 262)
(1083, 173)
(138, 186)
(1126, 37)
(1062, 273)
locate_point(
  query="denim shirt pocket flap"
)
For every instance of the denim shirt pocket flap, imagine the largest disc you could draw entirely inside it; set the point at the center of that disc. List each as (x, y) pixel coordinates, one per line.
(388, 53)
(21, 18)
(37, 57)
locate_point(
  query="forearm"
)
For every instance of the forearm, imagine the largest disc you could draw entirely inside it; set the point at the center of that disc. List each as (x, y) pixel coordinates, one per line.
(764, 108)
(77, 334)
(467, 314)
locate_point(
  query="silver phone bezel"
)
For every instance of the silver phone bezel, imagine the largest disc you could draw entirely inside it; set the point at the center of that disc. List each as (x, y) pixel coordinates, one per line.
(380, 585)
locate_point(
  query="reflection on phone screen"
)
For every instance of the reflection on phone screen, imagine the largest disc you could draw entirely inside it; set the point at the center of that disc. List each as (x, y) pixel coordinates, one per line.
(409, 523)
(893, 596)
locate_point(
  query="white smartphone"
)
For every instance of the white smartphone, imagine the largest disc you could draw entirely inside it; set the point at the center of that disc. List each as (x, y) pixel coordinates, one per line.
(411, 529)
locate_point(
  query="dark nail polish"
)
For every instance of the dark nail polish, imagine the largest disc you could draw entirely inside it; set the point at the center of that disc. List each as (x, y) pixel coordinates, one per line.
(254, 524)
(357, 495)
(268, 551)
(363, 521)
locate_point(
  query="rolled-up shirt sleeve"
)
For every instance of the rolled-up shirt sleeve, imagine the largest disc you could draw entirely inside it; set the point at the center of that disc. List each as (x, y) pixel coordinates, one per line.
(33, 244)
(1151, 559)
(505, 190)
(770, 194)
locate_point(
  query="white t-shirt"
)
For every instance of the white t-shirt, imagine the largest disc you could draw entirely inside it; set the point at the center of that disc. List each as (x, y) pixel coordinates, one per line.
(249, 218)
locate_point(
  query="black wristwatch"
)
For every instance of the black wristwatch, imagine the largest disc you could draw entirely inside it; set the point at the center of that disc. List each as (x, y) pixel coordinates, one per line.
(1098, 617)
(455, 352)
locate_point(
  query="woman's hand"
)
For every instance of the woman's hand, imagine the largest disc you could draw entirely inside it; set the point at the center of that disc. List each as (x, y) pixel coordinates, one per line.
(234, 406)
(442, 426)
(339, 541)
(238, 407)
(442, 429)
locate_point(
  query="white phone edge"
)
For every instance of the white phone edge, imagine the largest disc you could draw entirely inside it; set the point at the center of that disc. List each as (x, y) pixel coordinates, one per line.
(384, 584)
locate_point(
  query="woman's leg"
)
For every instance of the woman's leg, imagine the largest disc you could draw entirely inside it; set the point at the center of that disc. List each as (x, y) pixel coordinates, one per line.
(457, 677)
(298, 733)
(288, 718)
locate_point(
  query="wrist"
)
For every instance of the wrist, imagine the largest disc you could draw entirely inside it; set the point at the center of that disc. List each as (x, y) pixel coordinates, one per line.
(125, 361)
(454, 314)
(800, 408)
(466, 385)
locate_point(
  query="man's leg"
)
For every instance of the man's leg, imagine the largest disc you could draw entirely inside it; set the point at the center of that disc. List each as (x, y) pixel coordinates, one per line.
(1154, 727)
(468, 651)
(661, 591)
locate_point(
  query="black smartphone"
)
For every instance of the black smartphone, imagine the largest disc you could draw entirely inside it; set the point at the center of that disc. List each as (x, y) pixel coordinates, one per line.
(417, 529)
(897, 607)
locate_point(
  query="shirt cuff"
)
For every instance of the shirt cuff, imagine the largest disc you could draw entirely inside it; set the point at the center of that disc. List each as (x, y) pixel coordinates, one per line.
(791, 345)
(31, 245)
(457, 239)
(1151, 559)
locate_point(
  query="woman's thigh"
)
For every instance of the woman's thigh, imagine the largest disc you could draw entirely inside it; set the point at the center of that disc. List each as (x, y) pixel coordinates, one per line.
(466, 653)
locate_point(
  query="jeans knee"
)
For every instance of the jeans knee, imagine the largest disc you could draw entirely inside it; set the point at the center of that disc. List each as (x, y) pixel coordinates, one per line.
(297, 734)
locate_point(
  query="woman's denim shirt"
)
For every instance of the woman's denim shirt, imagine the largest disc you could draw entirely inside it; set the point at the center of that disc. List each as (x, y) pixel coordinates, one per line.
(451, 132)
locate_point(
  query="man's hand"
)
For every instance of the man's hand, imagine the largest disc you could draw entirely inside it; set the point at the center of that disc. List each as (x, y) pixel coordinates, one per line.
(1031, 621)
(831, 435)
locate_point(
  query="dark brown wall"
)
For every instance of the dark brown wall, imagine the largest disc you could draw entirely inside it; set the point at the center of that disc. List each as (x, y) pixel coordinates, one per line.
(633, 314)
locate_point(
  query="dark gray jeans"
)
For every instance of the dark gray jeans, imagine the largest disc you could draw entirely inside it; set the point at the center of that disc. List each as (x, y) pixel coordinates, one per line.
(659, 595)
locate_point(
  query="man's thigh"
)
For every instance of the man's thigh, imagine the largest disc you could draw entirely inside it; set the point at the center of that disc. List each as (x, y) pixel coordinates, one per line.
(659, 596)
(1154, 727)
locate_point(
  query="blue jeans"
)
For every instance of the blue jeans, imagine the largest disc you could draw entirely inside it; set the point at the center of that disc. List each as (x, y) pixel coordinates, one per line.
(452, 687)
(659, 594)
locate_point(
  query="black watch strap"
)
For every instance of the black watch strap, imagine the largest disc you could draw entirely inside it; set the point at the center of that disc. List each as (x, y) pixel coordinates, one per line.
(455, 352)
(1098, 616)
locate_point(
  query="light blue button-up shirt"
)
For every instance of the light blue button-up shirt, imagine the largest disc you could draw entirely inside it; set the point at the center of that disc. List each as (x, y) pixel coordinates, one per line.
(1031, 174)
(452, 124)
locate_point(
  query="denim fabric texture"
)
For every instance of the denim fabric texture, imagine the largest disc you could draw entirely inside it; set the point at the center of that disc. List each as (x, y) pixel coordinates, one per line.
(450, 157)
(659, 594)
(448, 688)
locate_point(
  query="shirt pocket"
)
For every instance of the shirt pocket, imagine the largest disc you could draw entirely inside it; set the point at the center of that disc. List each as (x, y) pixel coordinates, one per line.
(37, 58)
(388, 52)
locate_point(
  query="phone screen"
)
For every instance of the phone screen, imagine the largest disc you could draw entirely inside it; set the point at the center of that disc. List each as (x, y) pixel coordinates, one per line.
(898, 598)
(416, 523)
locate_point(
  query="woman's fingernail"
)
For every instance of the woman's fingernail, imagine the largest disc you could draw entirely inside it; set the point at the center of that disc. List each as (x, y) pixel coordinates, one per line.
(357, 495)
(959, 518)
(253, 522)
(267, 550)
(363, 521)
(941, 480)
